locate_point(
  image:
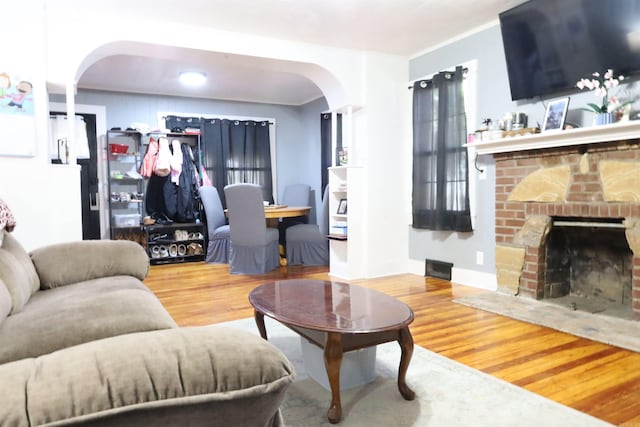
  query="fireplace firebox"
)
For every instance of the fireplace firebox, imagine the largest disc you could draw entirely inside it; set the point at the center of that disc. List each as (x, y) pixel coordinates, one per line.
(589, 265)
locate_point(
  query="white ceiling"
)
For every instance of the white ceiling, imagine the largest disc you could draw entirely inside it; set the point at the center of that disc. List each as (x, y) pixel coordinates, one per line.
(401, 27)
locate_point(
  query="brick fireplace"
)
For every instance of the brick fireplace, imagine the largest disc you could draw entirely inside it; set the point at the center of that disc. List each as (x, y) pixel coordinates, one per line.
(595, 185)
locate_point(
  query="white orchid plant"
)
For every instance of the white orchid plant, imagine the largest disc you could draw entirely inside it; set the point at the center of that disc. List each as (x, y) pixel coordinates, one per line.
(601, 84)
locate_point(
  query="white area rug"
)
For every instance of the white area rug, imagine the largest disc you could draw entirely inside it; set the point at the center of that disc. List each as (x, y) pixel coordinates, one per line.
(606, 329)
(448, 393)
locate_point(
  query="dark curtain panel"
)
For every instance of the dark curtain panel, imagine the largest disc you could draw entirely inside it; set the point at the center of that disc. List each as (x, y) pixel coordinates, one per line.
(325, 141)
(440, 176)
(237, 151)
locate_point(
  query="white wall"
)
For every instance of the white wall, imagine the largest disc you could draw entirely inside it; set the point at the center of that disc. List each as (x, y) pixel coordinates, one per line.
(71, 41)
(44, 198)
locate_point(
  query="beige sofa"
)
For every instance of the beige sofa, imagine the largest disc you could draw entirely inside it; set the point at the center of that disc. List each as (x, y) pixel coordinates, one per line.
(84, 342)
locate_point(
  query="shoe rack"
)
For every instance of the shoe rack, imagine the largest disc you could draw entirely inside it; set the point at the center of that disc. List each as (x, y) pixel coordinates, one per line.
(175, 243)
(126, 186)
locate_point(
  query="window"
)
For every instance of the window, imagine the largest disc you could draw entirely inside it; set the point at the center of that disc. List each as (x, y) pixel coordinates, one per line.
(440, 168)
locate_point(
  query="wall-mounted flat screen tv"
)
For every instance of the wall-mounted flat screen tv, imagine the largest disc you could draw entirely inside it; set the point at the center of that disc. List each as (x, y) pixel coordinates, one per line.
(550, 44)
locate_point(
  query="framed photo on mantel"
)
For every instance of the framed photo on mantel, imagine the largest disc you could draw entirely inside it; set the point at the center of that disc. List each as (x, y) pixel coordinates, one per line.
(556, 114)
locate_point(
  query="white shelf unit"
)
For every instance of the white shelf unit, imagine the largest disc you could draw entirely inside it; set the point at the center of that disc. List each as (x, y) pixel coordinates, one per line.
(346, 257)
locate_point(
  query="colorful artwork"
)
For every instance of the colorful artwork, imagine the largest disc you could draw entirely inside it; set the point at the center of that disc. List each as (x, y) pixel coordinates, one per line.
(16, 95)
(17, 115)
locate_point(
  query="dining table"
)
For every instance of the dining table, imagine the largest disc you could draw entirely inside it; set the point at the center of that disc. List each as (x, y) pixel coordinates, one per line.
(275, 212)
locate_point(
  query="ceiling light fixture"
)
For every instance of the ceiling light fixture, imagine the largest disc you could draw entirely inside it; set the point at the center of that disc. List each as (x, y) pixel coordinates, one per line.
(192, 78)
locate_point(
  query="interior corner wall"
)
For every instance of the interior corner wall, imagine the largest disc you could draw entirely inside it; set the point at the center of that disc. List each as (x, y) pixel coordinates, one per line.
(383, 146)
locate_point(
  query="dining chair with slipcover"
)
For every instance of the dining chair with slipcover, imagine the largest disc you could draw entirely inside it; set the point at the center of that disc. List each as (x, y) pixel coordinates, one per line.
(308, 243)
(218, 231)
(254, 246)
(293, 195)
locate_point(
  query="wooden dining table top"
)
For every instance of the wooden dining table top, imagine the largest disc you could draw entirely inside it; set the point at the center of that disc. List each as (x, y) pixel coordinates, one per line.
(282, 211)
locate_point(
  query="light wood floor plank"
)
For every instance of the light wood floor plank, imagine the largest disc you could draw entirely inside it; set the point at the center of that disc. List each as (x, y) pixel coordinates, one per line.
(598, 379)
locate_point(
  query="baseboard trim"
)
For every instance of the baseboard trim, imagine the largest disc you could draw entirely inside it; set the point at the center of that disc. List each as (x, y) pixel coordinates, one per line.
(476, 279)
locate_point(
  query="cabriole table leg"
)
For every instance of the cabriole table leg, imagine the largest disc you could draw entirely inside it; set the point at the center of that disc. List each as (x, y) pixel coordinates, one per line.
(332, 362)
(406, 345)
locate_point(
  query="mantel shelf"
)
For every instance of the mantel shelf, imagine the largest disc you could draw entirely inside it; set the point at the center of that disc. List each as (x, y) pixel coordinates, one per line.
(550, 139)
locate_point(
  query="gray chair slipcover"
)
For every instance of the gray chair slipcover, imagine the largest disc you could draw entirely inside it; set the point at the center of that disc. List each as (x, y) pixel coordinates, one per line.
(254, 246)
(308, 243)
(218, 231)
(296, 195)
(293, 195)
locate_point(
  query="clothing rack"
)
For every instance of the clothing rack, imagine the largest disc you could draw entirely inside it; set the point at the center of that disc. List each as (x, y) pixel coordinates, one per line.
(464, 72)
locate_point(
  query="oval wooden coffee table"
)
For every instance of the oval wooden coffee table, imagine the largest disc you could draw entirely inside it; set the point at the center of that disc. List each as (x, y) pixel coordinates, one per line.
(338, 318)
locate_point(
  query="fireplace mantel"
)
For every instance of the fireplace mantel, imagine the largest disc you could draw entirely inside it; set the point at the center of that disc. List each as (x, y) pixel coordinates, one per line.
(588, 135)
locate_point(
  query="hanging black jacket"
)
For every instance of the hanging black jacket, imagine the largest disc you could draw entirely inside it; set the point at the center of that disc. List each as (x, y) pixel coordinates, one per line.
(181, 200)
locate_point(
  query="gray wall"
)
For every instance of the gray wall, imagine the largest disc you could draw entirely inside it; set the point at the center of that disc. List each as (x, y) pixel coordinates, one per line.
(297, 128)
(493, 100)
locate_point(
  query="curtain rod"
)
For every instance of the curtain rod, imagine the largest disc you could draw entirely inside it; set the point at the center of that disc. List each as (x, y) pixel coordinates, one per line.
(464, 72)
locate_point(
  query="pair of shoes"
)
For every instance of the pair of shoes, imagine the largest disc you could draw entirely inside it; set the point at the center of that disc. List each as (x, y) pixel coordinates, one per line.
(181, 235)
(194, 249)
(161, 218)
(155, 252)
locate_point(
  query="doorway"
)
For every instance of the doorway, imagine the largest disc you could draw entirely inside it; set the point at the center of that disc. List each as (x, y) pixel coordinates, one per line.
(89, 184)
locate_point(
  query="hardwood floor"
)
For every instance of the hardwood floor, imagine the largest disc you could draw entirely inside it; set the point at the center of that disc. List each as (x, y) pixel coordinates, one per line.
(594, 378)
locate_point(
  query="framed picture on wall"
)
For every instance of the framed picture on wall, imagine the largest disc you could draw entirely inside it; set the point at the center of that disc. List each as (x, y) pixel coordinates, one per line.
(342, 207)
(556, 114)
(342, 156)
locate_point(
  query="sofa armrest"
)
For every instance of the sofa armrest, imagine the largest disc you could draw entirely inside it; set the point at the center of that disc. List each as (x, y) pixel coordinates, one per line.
(193, 376)
(66, 263)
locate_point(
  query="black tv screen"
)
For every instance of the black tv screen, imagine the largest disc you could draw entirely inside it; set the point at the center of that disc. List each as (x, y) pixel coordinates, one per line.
(551, 44)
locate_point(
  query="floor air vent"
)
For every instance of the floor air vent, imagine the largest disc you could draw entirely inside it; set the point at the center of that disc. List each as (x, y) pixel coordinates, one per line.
(439, 269)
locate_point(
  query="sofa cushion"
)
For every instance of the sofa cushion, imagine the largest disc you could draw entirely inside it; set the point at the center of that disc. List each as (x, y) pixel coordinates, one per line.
(197, 376)
(92, 259)
(31, 279)
(12, 274)
(5, 301)
(78, 313)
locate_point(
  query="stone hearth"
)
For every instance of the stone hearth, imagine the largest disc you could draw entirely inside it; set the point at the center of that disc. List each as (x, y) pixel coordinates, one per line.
(534, 188)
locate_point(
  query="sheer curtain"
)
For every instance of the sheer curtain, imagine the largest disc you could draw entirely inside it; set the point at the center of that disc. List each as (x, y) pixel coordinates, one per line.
(440, 195)
(237, 151)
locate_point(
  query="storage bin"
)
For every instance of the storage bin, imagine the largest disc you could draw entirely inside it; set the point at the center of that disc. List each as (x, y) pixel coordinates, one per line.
(336, 229)
(126, 220)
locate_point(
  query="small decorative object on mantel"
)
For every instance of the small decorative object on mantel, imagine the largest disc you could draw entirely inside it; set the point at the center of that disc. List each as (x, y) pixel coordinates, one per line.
(610, 108)
(555, 115)
(342, 156)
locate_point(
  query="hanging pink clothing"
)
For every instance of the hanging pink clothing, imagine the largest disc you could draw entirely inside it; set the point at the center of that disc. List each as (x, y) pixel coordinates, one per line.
(163, 163)
(149, 160)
